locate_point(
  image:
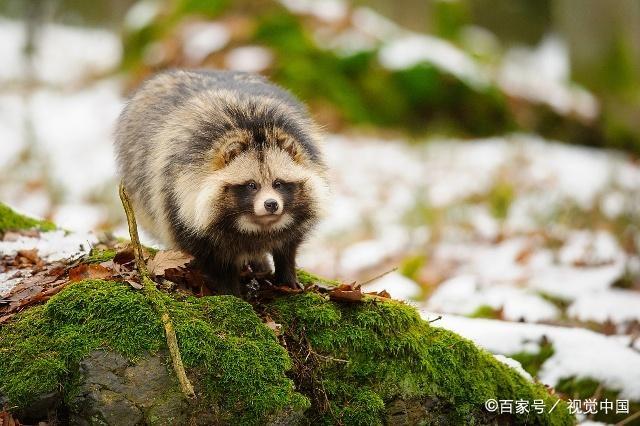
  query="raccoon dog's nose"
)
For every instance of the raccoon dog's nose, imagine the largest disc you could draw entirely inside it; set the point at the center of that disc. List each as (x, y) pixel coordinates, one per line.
(271, 205)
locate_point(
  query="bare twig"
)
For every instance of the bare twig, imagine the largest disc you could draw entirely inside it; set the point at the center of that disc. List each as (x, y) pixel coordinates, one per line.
(154, 296)
(377, 277)
(629, 419)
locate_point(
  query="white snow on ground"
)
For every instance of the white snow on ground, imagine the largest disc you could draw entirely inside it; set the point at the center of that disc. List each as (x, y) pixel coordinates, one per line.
(414, 49)
(539, 75)
(617, 306)
(51, 246)
(201, 39)
(396, 284)
(56, 151)
(542, 75)
(577, 352)
(7, 282)
(326, 10)
(85, 52)
(248, 59)
(69, 147)
(12, 129)
(463, 295)
(513, 364)
(76, 131)
(568, 282)
(141, 14)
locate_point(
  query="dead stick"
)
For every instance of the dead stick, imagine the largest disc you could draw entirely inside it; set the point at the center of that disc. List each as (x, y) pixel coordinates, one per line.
(377, 277)
(629, 419)
(153, 294)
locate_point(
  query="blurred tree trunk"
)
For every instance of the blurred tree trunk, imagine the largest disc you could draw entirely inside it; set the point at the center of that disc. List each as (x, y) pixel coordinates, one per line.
(604, 44)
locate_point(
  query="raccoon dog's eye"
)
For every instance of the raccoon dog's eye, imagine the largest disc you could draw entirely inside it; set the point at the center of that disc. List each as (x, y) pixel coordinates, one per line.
(252, 186)
(277, 184)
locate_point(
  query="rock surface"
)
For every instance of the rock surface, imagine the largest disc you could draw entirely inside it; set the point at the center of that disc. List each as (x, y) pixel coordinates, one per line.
(115, 391)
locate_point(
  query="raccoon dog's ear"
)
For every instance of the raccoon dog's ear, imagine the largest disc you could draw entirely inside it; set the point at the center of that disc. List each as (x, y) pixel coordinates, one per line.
(227, 152)
(291, 147)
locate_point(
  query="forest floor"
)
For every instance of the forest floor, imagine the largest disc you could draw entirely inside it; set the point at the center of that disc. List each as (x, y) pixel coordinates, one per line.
(526, 246)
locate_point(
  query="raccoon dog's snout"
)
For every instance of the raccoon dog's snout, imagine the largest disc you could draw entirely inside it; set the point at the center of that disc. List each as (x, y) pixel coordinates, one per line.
(224, 166)
(268, 203)
(271, 205)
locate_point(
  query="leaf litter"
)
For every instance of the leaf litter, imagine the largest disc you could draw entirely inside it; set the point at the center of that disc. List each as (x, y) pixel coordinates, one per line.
(173, 271)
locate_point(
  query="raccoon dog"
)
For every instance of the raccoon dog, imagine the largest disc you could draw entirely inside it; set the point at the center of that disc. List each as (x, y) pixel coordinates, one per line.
(224, 166)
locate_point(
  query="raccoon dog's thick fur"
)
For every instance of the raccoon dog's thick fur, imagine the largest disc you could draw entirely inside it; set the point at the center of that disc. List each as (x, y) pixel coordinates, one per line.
(224, 166)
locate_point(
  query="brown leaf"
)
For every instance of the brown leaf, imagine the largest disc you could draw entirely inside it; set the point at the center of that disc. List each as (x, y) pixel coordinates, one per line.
(168, 259)
(277, 328)
(286, 289)
(11, 236)
(6, 419)
(124, 256)
(31, 255)
(134, 284)
(88, 271)
(5, 318)
(383, 293)
(346, 293)
(177, 275)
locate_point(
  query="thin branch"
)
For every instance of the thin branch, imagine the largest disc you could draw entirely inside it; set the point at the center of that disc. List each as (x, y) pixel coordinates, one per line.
(629, 419)
(154, 296)
(377, 277)
(435, 319)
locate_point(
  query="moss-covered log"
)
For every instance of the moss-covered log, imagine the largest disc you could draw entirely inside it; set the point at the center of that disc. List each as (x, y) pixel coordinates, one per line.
(95, 353)
(343, 363)
(10, 220)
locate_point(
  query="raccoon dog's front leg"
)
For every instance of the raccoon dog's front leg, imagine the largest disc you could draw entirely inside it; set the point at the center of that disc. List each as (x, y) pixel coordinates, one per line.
(284, 259)
(224, 275)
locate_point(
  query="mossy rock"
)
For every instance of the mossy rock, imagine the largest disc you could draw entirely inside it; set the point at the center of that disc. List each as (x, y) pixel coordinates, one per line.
(369, 363)
(12, 221)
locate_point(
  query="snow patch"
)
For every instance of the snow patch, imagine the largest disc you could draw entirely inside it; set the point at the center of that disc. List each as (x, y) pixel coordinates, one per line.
(575, 354)
(51, 246)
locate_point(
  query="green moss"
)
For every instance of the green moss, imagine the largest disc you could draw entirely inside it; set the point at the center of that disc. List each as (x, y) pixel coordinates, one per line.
(10, 220)
(353, 87)
(411, 266)
(485, 311)
(559, 302)
(347, 360)
(362, 354)
(307, 278)
(532, 361)
(365, 408)
(500, 198)
(236, 359)
(98, 256)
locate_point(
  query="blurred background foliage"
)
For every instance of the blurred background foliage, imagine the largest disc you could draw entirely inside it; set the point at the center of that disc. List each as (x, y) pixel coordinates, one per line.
(344, 63)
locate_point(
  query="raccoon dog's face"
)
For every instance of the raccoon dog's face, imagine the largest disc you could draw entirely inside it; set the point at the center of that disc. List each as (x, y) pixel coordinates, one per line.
(259, 188)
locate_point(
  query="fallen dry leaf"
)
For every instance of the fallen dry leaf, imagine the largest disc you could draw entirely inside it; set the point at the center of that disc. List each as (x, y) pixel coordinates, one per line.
(277, 328)
(346, 293)
(11, 236)
(15, 235)
(134, 284)
(30, 255)
(384, 293)
(89, 271)
(6, 419)
(124, 257)
(168, 259)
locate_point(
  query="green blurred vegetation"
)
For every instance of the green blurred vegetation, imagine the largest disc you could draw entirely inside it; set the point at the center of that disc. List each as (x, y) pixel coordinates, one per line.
(355, 88)
(346, 89)
(351, 88)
